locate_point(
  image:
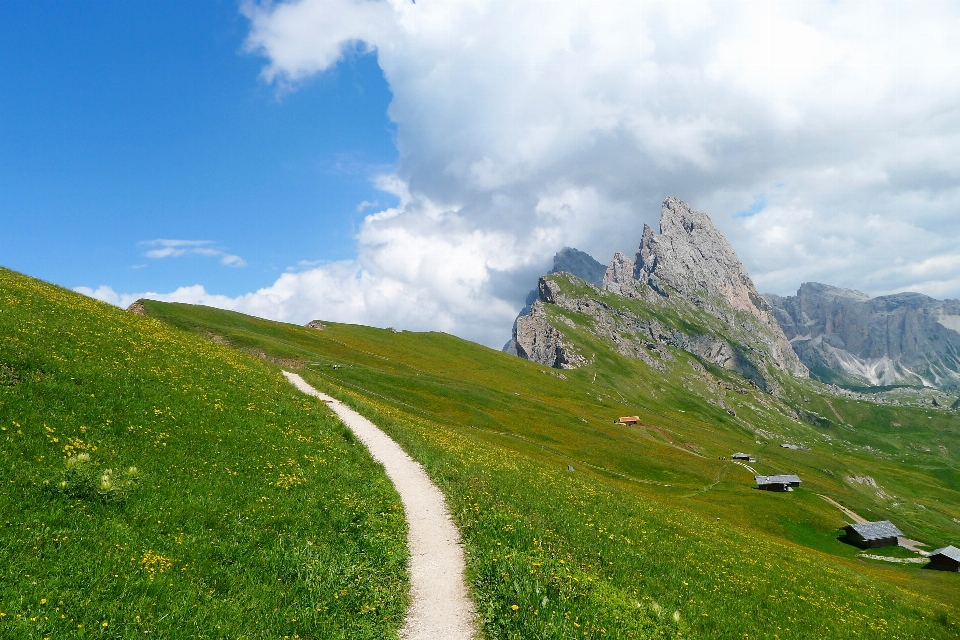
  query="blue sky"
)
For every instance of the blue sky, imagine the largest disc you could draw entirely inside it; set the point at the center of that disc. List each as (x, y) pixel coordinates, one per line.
(128, 122)
(822, 137)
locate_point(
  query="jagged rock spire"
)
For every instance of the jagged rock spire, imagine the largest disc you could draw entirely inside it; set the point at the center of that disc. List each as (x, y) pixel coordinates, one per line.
(618, 273)
(690, 268)
(691, 258)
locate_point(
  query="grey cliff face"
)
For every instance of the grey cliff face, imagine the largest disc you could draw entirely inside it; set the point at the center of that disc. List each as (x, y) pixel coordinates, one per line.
(692, 259)
(619, 273)
(690, 266)
(812, 301)
(846, 336)
(567, 260)
(538, 341)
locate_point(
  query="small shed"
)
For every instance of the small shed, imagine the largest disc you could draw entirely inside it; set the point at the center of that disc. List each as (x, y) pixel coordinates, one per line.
(629, 420)
(870, 535)
(741, 456)
(778, 483)
(946, 559)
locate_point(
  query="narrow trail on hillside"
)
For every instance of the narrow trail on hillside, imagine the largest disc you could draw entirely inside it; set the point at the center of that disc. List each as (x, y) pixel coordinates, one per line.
(849, 513)
(746, 466)
(834, 409)
(440, 607)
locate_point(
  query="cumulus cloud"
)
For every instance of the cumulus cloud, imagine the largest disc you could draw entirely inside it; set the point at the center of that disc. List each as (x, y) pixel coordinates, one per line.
(342, 291)
(177, 248)
(821, 137)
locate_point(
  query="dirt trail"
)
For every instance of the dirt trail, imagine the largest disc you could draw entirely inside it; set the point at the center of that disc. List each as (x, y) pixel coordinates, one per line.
(834, 409)
(440, 607)
(850, 514)
(746, 466)
(889, 559)
(912, 545)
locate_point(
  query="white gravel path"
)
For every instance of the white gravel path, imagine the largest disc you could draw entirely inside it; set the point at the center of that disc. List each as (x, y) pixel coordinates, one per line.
(440, 608)
(850, 514)
(745, 466)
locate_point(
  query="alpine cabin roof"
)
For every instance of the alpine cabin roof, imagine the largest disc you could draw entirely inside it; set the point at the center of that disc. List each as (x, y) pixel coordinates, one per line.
(876, 530)
(951, 552)
(782, 479)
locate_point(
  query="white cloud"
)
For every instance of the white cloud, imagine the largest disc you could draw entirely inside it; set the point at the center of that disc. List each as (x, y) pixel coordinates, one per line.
(366, 204)
(177, 248)
(307, 37)
(524, 126)
(345, 292)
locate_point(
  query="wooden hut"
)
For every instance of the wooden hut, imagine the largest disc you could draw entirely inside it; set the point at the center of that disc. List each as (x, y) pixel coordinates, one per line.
(629, 420)
(778, 483)
(946, 559)
(870, 535)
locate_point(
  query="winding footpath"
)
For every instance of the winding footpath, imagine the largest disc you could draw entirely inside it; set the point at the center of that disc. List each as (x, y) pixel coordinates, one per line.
(847, 512)
(746, 466)
(440, 607)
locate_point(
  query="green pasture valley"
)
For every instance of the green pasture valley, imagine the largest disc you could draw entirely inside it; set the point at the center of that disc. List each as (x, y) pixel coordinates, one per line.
(160, 478)
(575, 526)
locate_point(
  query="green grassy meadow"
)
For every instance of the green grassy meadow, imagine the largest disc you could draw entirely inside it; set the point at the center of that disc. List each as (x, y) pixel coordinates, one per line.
(155, 484)
(651, 534)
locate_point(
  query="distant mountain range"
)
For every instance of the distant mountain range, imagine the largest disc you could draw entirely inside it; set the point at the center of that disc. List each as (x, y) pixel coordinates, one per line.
(847, 337)
(835, 335)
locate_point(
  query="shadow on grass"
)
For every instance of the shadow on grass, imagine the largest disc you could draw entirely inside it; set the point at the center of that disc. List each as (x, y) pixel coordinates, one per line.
(847, 541)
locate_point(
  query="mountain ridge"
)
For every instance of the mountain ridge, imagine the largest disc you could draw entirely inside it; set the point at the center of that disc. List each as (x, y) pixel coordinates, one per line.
(847, 337)
(686, 277)
(567, 260)
(837, 335)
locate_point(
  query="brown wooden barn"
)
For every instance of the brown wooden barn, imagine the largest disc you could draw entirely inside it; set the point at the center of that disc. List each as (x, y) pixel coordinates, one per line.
(870, 535)
(946, 559)
(629, 420)
(778, 483)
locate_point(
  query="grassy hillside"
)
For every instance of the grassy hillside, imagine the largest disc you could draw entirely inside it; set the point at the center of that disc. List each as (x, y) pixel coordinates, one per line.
(154, 484)
(650, 534)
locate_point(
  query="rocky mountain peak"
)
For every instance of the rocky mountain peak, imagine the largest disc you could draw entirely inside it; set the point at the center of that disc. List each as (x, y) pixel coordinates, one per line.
(689, 266)
(809, 289)
(692, 257)
(618, 273)
(567, 260)
(579, 264)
